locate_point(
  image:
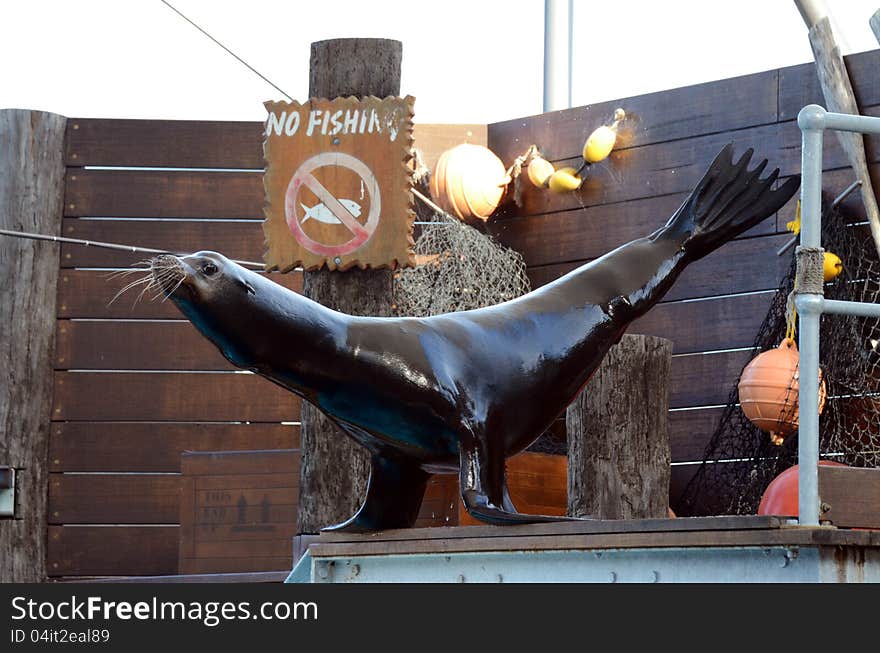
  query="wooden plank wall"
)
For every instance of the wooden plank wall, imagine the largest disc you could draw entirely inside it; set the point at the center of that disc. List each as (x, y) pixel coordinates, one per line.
(713, 312)
(135, 385)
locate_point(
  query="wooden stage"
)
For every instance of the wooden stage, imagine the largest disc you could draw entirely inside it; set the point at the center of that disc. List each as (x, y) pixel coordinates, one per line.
(700, 549)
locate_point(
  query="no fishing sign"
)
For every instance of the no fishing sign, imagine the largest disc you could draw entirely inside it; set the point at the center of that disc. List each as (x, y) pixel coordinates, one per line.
(338, 183)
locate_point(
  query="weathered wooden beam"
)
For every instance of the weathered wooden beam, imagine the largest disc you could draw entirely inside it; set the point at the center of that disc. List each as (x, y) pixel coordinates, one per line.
(31, 196)
(334, 469)
(839, 98)
(618, 434)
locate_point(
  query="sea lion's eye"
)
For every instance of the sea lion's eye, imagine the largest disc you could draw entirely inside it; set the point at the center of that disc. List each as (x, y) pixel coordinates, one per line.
(209, 269)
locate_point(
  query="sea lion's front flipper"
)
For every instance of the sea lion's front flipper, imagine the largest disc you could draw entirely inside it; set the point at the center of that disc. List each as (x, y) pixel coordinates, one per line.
(394, 496)
(484, 492)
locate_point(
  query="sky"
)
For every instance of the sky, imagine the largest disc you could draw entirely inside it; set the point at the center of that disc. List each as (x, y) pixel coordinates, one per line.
(465, 61)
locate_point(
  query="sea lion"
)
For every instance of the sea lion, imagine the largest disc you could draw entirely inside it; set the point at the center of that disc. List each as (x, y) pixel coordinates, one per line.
(460, 391)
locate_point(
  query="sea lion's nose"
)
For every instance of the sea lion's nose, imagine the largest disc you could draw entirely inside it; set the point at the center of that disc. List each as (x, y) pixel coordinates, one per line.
(164, 260)
(168, 271)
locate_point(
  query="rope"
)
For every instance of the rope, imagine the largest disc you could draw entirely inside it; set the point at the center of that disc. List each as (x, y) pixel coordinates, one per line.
(246, 64)
(791, 314)
(421, 171)
(434, 207)
(514, 172)
(810, 278)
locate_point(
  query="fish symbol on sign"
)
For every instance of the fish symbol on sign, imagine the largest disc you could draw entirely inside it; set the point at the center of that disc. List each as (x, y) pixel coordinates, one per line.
(322, 214)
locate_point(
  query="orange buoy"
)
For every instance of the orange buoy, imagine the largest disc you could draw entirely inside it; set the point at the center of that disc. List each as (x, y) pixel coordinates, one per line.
(781, 496)
(469, 181)
(768, 390)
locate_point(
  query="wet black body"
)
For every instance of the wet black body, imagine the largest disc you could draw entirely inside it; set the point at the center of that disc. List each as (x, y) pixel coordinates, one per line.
(463, 391)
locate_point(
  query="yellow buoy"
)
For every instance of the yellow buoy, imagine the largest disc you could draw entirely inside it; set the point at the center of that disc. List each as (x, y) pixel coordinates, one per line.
(564, 180)
(832, 266)
(599, 144)
(540, 170)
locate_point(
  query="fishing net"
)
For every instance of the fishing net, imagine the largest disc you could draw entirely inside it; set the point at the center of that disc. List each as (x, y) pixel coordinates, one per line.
(740, 459)
(457, 268)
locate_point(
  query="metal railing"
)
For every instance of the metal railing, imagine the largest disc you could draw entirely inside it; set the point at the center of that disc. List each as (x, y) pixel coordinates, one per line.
(813, 121)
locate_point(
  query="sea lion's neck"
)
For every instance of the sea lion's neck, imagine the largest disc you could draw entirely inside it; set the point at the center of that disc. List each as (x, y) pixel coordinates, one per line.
(272, 331)
(296, 340)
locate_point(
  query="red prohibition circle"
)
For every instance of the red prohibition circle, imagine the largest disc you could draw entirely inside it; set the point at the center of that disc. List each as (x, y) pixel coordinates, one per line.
(361, 233)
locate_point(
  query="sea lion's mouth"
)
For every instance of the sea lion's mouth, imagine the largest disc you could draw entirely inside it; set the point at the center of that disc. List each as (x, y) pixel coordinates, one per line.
(168, 273)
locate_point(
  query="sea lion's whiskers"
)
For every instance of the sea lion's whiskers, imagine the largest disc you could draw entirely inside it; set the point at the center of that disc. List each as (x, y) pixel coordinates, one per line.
(151, 285)
(145, 279)
(167, 274)
(164, 274)
(158, 282)
(176, 286)
(140, 266)
(153, 278)
(174, 275)
(116, 274)
(165, 295)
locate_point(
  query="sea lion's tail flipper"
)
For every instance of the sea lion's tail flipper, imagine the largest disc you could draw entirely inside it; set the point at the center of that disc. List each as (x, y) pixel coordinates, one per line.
(394, 495)
(729, 200)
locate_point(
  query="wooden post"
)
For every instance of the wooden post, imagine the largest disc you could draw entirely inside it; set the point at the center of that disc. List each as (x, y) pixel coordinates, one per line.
(618, 434)
(875, 25)
(334, 470)
(31, 199)
(839, 98)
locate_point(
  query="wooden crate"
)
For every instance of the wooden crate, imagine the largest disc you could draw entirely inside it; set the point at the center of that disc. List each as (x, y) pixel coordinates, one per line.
(850, 496)
(238, 511)
(537, 484)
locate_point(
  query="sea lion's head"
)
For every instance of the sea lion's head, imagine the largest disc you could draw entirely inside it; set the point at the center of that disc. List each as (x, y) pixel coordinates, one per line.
(203, 277)
(215, 294)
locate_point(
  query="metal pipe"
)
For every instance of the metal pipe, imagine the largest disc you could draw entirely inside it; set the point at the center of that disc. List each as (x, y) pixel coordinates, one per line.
(837, 200)
(862, 309)
(808, 406)
(570, 62)
(557, 55)
(845, 193)
(811, 120)
(812, 11)
(849, 122)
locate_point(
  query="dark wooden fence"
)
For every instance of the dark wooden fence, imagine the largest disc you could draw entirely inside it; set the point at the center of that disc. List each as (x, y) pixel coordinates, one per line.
(135, 385)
